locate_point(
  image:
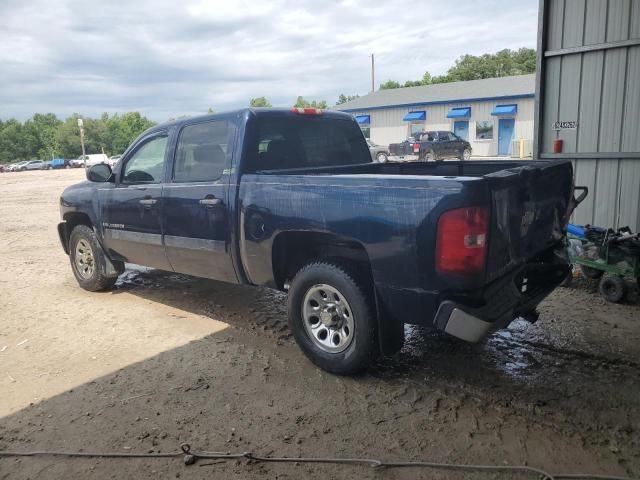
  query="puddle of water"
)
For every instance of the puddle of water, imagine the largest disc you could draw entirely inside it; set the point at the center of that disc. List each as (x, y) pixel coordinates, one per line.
(137, 275)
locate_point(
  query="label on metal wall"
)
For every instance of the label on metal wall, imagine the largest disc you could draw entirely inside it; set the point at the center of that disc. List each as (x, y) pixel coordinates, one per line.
(572, 125)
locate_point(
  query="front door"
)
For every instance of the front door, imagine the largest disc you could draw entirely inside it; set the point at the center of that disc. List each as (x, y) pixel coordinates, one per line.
(461, 129)
(132, 209)
(196, 215)
(444, 147)
(505, 135)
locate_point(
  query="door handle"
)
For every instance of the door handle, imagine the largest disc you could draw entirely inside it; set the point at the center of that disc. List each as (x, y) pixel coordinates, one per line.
(148, 202)
(210, 201)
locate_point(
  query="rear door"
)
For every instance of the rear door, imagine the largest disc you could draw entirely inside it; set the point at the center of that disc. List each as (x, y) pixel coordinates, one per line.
(132, 210)
(196, 199)
(456, 145)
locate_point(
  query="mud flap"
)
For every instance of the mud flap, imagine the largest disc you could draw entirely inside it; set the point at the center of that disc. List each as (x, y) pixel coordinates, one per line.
(390, 331)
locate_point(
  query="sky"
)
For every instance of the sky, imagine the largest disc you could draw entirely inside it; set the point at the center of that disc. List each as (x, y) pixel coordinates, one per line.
(167, 59)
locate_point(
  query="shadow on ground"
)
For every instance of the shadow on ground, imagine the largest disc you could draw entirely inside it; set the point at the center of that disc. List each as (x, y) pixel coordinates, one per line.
(556, 395)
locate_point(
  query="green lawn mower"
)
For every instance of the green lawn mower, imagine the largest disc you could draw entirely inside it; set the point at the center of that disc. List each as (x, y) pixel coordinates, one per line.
(608, 255)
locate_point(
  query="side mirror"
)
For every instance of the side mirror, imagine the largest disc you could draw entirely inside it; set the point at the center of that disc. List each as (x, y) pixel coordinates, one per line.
(99, 173)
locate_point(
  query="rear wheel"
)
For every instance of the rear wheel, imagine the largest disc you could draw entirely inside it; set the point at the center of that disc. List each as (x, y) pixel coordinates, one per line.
(381, 157)
(332, 317)
(430, 156)
(88, 261)
(612, 288)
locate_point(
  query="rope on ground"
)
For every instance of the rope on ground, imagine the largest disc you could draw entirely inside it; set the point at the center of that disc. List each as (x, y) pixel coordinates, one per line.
(190, 456)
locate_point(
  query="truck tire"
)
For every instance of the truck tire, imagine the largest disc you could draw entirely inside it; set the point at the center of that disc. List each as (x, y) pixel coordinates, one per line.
(381, 157)
(612, 288)
(429, 156)
(332, 317)
(88, 261)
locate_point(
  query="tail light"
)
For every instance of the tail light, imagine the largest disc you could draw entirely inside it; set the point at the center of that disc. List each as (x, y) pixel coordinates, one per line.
(461, 245)
(416, 148)
(307, 110)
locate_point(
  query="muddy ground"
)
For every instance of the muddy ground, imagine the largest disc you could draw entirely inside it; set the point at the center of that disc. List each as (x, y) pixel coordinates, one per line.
(164, 359)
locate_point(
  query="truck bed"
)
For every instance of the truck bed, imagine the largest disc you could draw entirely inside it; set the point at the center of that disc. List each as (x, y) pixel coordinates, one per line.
(392, 212)
(474, 168)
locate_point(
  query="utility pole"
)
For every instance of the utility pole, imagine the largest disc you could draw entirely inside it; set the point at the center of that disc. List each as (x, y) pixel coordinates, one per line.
(373, 78)
(81, 126)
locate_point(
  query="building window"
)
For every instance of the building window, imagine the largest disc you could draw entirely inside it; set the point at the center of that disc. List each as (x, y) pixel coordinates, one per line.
(415, 128)
(484, 130)
(366, 131)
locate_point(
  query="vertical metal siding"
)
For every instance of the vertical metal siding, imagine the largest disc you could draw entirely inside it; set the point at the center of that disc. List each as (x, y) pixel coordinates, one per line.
(601, 90)
(631, 117)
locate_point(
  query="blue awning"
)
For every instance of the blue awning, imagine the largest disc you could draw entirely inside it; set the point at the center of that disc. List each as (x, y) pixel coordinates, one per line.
(505, 110)
(412, 116)
(463, 112)
(363, 119)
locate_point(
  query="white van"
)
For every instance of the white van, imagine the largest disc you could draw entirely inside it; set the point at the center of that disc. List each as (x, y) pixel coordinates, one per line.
(90, 160)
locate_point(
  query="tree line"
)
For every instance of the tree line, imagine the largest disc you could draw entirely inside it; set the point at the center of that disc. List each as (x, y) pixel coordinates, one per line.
(44, 136)
(504, 63)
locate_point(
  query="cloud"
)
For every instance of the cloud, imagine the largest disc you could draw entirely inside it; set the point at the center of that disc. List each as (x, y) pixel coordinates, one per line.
(167, 59)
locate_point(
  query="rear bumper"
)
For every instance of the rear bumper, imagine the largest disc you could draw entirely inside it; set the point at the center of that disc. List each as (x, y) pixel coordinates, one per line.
(513, 296)
(403, 158)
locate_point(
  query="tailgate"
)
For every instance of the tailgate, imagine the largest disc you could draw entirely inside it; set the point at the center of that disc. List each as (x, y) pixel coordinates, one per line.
(399, 149)
(529, 205)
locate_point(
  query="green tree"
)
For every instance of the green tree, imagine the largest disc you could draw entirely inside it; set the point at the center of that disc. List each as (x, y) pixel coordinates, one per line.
(124, 129)
(389, 84)
(301, 102)
(259, 102)
(470, 67)
(12, 142)
(346, 98)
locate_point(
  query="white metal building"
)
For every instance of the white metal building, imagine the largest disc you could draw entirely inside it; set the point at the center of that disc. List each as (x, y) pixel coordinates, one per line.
(492, 114)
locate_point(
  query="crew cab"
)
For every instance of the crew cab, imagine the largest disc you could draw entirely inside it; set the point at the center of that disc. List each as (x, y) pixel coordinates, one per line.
(290, 199)
(432, 145)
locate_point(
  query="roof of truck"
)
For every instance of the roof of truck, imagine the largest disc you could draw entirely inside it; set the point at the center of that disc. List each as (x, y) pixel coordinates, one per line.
(238, 112)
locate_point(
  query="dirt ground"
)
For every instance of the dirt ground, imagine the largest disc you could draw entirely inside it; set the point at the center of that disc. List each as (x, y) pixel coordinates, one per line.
(164, 359)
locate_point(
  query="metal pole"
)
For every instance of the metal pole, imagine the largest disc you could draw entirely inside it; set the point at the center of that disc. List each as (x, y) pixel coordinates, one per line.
(81, 126)
(82, 143)
(373, 81)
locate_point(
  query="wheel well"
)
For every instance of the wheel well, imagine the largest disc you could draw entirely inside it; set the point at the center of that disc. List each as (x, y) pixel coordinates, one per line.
(73, 219)
(293, 250)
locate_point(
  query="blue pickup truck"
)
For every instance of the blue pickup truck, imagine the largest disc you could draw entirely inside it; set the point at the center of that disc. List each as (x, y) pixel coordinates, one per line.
(290, 199)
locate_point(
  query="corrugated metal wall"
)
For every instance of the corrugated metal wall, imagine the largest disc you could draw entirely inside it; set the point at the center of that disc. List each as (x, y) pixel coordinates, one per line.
(589, 54)
(387, 125)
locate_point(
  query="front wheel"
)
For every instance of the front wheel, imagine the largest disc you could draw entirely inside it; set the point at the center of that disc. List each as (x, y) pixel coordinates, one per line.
(466, 154)
(332, 317)
(382, 157)
(88, 261)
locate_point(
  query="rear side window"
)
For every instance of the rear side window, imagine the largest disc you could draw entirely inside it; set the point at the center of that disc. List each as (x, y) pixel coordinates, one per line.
(203, 151)
(307, 141)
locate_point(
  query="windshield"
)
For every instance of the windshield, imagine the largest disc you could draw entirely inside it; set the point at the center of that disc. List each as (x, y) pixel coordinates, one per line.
(307, 141)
